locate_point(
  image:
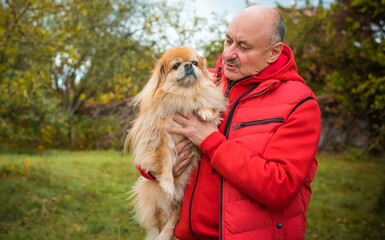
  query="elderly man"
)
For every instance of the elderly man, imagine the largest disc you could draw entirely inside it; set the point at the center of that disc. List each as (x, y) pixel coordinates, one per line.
(253, 180)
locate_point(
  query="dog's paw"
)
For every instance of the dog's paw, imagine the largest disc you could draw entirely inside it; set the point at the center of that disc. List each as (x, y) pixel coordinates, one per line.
(164, 236)
(169, 189)
(205, 114)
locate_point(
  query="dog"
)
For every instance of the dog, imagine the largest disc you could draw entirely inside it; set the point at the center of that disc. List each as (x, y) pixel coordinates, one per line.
(180, 84)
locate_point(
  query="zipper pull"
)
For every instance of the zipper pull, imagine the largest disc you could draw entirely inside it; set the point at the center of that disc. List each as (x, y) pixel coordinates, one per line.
(239, 126)
(229, 86)
(218, 77)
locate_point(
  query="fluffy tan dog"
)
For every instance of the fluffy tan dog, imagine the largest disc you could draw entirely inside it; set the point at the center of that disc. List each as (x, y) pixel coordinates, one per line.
(180, 84)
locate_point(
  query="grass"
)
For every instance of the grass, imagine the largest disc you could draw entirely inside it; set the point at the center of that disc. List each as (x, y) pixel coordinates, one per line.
(82, 195)
(348, 199)
(66, 195)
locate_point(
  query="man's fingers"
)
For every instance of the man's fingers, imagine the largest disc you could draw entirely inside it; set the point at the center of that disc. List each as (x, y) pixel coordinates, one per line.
(181, 163)
(182, 159)
(183, 118)
(179, 118)
(175, 130)
(179, 169)
(181, 145)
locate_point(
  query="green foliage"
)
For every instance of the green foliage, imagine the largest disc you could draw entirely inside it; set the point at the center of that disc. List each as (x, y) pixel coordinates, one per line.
(88, 133)
(58, 56)
(36, 122)
(214, 47)
(28, 110)
(341, 51)
(96, 56)
(355, 67)
(305, 34)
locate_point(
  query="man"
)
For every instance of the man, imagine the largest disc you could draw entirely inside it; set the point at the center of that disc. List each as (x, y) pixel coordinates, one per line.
(253, 180)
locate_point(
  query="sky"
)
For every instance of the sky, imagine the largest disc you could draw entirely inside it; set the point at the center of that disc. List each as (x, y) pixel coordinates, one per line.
(231, 7)
(227, 9)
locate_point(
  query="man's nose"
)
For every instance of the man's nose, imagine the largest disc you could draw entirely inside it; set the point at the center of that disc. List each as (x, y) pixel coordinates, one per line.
(229, 52)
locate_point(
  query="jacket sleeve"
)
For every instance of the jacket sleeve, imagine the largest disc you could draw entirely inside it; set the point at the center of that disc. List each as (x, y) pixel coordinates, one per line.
(275, 176)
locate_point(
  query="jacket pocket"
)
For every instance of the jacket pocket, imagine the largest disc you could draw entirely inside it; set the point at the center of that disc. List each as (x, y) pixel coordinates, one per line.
(258, 122)
(246, 216)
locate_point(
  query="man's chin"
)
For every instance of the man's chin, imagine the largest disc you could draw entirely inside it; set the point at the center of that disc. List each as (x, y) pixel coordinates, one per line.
(232, 75)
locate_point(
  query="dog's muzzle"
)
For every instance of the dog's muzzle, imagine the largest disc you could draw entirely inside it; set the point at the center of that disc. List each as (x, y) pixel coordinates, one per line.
(189, 69)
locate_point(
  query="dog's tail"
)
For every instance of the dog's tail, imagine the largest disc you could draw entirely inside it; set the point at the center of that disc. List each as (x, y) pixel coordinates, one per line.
(146, 199)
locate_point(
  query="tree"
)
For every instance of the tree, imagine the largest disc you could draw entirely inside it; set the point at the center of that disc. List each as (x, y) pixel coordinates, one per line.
(305, 35)
(97, 56)
(59, 56)
(356, 62)
(27, 105)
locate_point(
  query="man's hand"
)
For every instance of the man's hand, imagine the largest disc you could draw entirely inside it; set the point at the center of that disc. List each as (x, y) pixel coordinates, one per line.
(193, 128)
(182, 159)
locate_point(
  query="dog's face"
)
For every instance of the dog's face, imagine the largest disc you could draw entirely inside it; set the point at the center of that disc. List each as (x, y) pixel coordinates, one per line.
(181, 66)
(177, 72)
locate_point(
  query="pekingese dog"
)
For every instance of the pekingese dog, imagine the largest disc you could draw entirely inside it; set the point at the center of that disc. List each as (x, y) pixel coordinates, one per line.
(180, 84)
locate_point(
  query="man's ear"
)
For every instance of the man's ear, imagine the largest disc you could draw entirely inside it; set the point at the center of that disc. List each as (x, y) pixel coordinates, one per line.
(275, 51)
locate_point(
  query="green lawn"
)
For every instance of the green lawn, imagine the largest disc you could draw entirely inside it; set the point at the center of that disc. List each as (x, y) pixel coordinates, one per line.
(82, 195)
(66, 195)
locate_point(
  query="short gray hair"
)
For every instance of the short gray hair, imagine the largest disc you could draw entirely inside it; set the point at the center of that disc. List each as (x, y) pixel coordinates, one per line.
(278, 31)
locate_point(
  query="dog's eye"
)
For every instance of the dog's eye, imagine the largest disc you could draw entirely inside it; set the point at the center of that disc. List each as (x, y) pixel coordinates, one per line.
(195, 63)
(176, 65)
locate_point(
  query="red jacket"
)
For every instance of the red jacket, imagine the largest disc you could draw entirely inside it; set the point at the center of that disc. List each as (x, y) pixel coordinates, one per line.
(253, 181)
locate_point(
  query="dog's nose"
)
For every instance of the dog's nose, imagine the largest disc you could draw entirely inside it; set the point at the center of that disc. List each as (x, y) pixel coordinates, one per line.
(188, 69)
(188, 65)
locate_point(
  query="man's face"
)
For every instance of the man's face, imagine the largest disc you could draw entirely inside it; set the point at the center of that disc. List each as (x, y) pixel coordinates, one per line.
(246, 49)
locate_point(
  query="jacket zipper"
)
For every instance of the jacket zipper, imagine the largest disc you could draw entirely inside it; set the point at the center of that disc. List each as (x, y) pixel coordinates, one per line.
(191, 202)
(229, 86)
(218, 76)
(258, 122)
(227, 132)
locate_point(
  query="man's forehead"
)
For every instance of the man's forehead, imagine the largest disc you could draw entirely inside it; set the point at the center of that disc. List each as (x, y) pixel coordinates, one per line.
(248, 30)
(240, 34)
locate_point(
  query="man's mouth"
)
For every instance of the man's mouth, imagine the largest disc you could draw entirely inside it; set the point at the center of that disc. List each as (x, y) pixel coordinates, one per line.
(232, 64)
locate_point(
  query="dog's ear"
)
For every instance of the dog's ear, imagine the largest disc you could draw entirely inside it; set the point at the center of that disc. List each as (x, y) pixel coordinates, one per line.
(203, 63)
(146, 96)
(162, 72)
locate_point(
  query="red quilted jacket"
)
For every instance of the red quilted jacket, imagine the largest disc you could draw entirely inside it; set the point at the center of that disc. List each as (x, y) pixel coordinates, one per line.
(253, 181)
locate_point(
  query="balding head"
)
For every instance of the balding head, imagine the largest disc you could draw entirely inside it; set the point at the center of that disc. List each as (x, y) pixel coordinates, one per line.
(264, 20)
(252, 42)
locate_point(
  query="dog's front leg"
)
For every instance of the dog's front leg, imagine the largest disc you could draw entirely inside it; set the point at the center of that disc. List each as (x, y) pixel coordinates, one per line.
(166, 177)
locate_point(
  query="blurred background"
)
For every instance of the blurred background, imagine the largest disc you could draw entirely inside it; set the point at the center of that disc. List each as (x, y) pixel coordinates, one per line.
(68, 69)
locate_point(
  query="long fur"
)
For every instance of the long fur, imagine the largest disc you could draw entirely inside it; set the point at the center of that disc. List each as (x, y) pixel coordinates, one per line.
(171, 90)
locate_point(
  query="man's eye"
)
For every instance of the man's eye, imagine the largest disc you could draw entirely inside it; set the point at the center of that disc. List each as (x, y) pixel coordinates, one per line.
(228, 41)
(243, 47)
(176, 65)
(195, 63)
